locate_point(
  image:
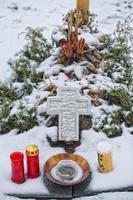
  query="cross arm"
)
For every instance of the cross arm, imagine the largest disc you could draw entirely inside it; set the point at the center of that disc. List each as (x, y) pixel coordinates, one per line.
(84, 106)
(54, 105)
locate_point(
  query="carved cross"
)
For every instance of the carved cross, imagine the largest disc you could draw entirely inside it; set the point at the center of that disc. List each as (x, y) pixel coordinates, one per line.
(68, 104)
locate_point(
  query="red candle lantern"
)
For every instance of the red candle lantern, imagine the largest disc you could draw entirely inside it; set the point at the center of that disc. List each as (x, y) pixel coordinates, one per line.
(17, 167)
(32, 153)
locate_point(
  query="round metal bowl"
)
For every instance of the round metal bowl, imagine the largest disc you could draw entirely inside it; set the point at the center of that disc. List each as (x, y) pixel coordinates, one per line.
(54, 160)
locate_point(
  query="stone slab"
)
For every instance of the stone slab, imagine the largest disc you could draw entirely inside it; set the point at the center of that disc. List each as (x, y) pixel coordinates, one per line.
(82, 190)
(39, 196)
(55, 192)
(74, 195)
(87, 193)
(63, 192)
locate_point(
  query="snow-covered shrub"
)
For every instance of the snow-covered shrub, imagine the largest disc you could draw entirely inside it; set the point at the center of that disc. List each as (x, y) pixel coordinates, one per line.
(24, 79)
(129, 119)
(109, 123)
(120, 97)
(23, 120)
(7, 97)
(119, 54)
(37, 48)
(25, 63)
(104, 74)
(7, 92)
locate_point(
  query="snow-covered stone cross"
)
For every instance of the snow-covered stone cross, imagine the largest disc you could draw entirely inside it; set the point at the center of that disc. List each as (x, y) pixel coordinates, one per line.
(68, 104)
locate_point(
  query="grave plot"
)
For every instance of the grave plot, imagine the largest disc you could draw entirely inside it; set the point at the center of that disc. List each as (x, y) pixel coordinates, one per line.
(68, 112)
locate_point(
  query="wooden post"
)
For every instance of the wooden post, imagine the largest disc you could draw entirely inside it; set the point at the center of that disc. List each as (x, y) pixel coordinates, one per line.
(70, 24)
(83, 5)
(77, 21)
(83, 8)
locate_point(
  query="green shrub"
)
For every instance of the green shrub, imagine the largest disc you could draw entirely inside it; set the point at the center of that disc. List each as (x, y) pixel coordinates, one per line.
(120, 97)
(118, 56)
(23, 120)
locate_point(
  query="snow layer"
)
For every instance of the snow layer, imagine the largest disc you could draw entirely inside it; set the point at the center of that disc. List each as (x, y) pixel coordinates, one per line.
(42, 13)
(48, 15)
(110, 196)
(104, 147)
(122, 151)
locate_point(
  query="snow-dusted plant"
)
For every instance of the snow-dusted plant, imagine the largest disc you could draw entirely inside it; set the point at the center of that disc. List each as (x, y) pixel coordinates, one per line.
(22, 120)
(25, 63)
(119, 54)
(109, 123)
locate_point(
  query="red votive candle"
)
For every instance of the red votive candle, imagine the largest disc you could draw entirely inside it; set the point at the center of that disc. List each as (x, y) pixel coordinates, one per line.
(17, 167)
(33, 169)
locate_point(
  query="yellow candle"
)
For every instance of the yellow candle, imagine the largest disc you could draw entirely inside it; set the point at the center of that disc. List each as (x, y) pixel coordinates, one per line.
(104, 156)
(83, 5)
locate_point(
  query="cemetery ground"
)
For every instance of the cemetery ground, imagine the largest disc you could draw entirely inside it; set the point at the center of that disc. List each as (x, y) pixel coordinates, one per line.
(111, 111)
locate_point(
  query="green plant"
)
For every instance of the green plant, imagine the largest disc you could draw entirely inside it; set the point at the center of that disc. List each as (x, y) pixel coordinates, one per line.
(120, 97)
(118, 56)
(25, 63)
(7, 92)
(129, 119)
(110, 123)
(113, 130)
(37, 48)
(23, 120)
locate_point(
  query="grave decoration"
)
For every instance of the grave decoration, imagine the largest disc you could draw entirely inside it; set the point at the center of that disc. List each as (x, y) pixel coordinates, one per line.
(32, 154)
(67, 169)
(82, 12)
(78, 17)
(73, 49)
(77, 61)
(17, 167)
(38, 75)
(68, 104)
(83, 6)
(17, 164)
(63, 169)
(104, 156)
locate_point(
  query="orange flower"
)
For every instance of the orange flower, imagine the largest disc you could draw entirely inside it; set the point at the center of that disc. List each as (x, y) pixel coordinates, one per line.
(67, 50)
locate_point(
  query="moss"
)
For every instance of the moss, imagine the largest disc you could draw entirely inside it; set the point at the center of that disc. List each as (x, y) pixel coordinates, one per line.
(120, 97)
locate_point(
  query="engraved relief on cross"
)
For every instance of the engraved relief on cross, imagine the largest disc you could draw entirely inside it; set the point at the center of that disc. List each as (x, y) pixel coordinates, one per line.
(69, 105)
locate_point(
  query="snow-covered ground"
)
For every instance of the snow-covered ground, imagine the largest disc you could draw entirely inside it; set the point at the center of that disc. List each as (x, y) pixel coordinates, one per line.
(121, 176)
(48, 14)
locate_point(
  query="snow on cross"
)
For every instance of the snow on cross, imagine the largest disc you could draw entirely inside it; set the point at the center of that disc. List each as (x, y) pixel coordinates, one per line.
(68, 104)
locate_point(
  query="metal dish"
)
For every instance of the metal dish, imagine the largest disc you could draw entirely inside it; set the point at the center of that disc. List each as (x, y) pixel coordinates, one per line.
(54, 160)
